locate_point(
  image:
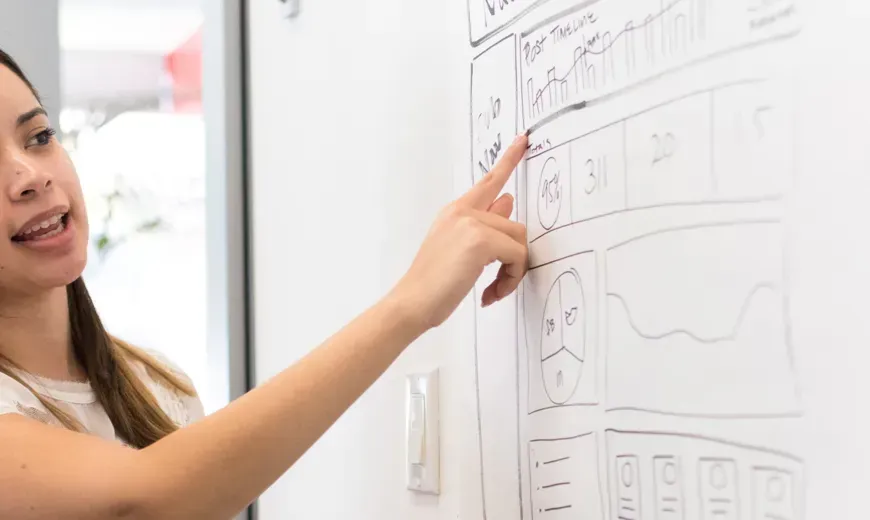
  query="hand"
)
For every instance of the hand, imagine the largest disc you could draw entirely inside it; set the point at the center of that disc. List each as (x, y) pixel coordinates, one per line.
(469, 234)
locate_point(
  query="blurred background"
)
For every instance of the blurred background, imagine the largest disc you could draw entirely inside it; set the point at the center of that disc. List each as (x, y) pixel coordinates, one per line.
(131, 118)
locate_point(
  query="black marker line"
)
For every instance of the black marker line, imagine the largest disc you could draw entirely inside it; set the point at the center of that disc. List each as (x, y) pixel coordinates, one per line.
(705, 225)
(731, 336)
(718, 202)
(558, 406)
(587, 50)
(561, 259)
(556, 460)
(557, 484)
(644, 111)
(566, 349)
(665, 72)
(557, 439)
(558, 508)
(496, 44)
(774, 452)
(724, 416)
(496, 30)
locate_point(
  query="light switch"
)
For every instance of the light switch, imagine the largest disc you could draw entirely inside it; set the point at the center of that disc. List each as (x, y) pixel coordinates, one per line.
(417, 429)
(423, 460)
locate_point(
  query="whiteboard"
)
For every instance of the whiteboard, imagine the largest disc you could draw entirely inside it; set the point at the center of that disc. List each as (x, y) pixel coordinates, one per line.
(647, 368)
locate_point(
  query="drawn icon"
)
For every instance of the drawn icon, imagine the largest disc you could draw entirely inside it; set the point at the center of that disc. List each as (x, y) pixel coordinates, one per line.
(563, 337)
(719, 489)
(628, 476)
(772, 494)
(550, 193)
(668, 488)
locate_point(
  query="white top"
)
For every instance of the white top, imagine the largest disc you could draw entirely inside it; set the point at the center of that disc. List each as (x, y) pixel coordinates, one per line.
(78, 399)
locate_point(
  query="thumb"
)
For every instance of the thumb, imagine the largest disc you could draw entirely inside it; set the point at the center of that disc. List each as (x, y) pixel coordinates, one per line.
(503, 206)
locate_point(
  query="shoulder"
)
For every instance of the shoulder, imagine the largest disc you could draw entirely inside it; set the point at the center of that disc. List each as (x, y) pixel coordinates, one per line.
(182, 408)
(16, 398)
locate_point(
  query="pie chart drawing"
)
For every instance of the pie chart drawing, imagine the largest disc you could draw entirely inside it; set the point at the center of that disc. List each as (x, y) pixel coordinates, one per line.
(549, 193)
(563, 337)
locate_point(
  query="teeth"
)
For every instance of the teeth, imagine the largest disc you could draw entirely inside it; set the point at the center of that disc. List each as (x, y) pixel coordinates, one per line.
(50, 234)
(44, 225)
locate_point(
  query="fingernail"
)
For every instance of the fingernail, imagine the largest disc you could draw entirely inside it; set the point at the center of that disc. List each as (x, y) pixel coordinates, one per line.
(519, 138)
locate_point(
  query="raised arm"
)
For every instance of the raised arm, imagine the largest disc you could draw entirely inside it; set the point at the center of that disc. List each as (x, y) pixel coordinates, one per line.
(216, 467)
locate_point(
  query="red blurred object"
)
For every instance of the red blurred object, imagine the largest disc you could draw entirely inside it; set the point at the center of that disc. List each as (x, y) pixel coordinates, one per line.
(184, 65)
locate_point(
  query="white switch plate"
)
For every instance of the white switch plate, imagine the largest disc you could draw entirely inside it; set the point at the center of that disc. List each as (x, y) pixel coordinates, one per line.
(422, 457)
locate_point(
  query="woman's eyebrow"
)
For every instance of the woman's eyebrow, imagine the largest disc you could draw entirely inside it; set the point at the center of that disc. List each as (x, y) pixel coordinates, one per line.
(27, 116)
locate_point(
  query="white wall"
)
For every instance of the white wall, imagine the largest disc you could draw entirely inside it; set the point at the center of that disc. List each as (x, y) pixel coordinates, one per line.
(31, 37)
(358, 133)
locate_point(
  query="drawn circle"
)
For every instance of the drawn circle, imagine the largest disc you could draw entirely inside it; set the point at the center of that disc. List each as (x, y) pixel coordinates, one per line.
(627, 474)
(669, 473)
(775, 489)
(563, 336)
(549, 193)
(718, 477)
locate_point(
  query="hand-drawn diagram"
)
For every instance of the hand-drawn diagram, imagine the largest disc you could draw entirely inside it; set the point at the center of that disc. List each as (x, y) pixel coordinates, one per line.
(564, 478)
(494, 109)
(563, 337)
(486, 17)
(596, 48)
(665, 476)
(493, 120)
(705, 306)
(549, 181)
(562, 340)
(661, 157)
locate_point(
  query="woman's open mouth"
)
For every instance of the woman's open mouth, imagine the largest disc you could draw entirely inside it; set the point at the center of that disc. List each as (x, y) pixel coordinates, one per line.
(44, 230)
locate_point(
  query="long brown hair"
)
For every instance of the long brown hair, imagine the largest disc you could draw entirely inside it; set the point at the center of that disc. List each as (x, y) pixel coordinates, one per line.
(135, 413)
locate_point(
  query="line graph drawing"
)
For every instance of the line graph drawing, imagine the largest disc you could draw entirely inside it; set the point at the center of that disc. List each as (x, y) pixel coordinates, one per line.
(583, 74)
(730, 336)
(560, 313)
(566, 65)
(563, 337)
(704, 305)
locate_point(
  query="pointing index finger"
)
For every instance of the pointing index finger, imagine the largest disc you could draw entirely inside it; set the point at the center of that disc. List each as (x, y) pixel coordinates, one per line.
(482, 194)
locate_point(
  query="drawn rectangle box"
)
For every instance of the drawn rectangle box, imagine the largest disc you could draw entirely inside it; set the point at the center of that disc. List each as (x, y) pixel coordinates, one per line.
(561, 333)
(598, 173)
(564, 478)
(493, 104)
(719, 489)
(548, 193)
(674, 476)
(668, 484)
(487, 17)
(706, 307)
(773, 494)
(754, 141)
(628, 498)
(668, 154)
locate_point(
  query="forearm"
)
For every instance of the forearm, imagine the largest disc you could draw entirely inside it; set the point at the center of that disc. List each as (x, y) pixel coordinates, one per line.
(216, 467)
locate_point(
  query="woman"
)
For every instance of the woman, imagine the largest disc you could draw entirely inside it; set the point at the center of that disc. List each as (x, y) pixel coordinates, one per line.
(93, 428)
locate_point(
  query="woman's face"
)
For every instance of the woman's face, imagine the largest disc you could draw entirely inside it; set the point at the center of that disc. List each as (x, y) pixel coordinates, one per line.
(43, 224)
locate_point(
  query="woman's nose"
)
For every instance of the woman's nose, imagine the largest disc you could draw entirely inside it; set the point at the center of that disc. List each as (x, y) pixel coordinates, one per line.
(28, 182)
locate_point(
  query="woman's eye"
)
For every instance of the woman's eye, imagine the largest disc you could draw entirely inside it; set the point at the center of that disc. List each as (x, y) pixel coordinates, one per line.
(42, 138)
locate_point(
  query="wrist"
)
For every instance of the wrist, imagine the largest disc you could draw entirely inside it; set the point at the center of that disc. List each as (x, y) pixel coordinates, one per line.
(405, 312)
